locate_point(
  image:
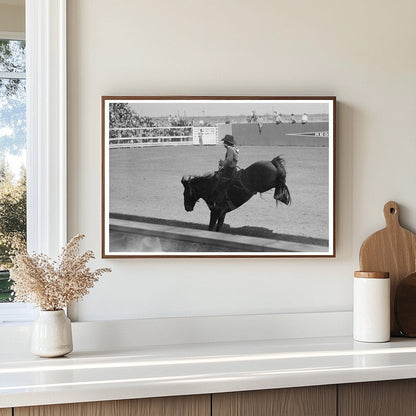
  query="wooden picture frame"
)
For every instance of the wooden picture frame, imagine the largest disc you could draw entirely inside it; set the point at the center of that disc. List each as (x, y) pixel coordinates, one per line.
(160, 158)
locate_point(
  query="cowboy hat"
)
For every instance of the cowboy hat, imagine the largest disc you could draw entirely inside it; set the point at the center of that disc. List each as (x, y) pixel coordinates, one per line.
(228, 139)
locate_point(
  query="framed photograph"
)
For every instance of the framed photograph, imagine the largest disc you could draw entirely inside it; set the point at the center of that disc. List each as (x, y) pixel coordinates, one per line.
(218, 176)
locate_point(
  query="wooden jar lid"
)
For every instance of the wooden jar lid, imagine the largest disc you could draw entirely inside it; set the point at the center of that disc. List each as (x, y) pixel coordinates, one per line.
(372, 275)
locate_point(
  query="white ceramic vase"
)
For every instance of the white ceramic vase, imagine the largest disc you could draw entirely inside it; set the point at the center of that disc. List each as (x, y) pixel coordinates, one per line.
(52, 334)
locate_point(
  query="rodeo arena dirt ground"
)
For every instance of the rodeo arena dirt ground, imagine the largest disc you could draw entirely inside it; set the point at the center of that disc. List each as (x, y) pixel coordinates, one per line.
(145, 186)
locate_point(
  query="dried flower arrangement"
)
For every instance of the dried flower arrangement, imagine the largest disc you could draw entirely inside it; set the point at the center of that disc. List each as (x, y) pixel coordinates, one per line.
(53, 285)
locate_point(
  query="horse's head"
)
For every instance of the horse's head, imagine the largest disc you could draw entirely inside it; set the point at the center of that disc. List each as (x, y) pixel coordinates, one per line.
(190, 196)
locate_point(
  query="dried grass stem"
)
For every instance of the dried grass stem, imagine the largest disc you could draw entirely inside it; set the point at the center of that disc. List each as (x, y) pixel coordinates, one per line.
(53, 285)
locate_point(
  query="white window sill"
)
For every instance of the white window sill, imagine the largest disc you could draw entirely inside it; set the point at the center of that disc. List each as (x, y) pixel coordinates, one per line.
(16, 313)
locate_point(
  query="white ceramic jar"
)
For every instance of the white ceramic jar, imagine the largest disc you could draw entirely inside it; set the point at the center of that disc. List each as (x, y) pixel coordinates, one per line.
(52, 334)
(371, 309)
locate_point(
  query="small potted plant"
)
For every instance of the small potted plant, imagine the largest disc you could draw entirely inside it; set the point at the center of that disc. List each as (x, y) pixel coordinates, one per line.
(52, 286)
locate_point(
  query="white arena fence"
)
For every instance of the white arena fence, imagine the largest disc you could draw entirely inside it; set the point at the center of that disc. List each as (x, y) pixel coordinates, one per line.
(162, 136)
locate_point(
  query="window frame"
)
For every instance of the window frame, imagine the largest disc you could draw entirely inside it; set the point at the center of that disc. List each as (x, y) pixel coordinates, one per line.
(46, 125)
(46, 138)
(14, 312)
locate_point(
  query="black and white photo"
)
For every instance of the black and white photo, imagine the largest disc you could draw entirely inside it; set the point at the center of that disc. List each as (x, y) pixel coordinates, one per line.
(218, 176)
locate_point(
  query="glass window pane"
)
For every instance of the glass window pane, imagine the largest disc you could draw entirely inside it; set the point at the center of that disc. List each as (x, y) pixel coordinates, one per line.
(12, 55)
(12, 169)
(12, 118)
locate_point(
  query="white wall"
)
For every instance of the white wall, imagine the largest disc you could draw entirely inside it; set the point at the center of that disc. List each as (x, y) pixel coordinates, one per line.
(361, 51)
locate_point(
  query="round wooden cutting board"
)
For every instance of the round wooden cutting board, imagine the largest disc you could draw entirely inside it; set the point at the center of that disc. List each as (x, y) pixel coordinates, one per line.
(405, 306)
(393, 250)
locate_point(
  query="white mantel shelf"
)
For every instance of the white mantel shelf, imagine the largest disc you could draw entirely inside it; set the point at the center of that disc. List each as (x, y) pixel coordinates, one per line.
(151, 371)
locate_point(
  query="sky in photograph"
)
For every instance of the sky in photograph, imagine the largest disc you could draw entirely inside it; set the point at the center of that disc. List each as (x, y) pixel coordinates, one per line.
(226, 108)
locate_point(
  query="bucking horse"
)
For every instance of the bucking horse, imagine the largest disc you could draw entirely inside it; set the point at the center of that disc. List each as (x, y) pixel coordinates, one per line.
(260, 177)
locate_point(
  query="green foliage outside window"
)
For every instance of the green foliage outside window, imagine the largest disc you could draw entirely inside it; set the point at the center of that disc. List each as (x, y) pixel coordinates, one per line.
(12, 223)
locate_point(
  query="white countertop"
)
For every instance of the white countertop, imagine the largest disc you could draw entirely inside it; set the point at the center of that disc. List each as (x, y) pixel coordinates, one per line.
(151, 371)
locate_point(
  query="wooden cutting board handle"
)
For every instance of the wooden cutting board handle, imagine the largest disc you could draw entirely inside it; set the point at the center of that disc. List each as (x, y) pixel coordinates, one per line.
(393, 250)
(391, 214)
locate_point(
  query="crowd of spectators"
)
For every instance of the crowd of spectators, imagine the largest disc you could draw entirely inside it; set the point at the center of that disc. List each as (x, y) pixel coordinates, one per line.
(126, 123)
(277, 118)
(154, 132)
(122, 115)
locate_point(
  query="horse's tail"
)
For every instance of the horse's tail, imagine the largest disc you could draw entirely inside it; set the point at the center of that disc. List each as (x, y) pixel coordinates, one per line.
(281, 191)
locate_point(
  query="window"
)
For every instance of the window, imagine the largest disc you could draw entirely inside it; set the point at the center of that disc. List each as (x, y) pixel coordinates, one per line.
(12, 164)
(46, 135)
(12, 154)
(12, 146)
